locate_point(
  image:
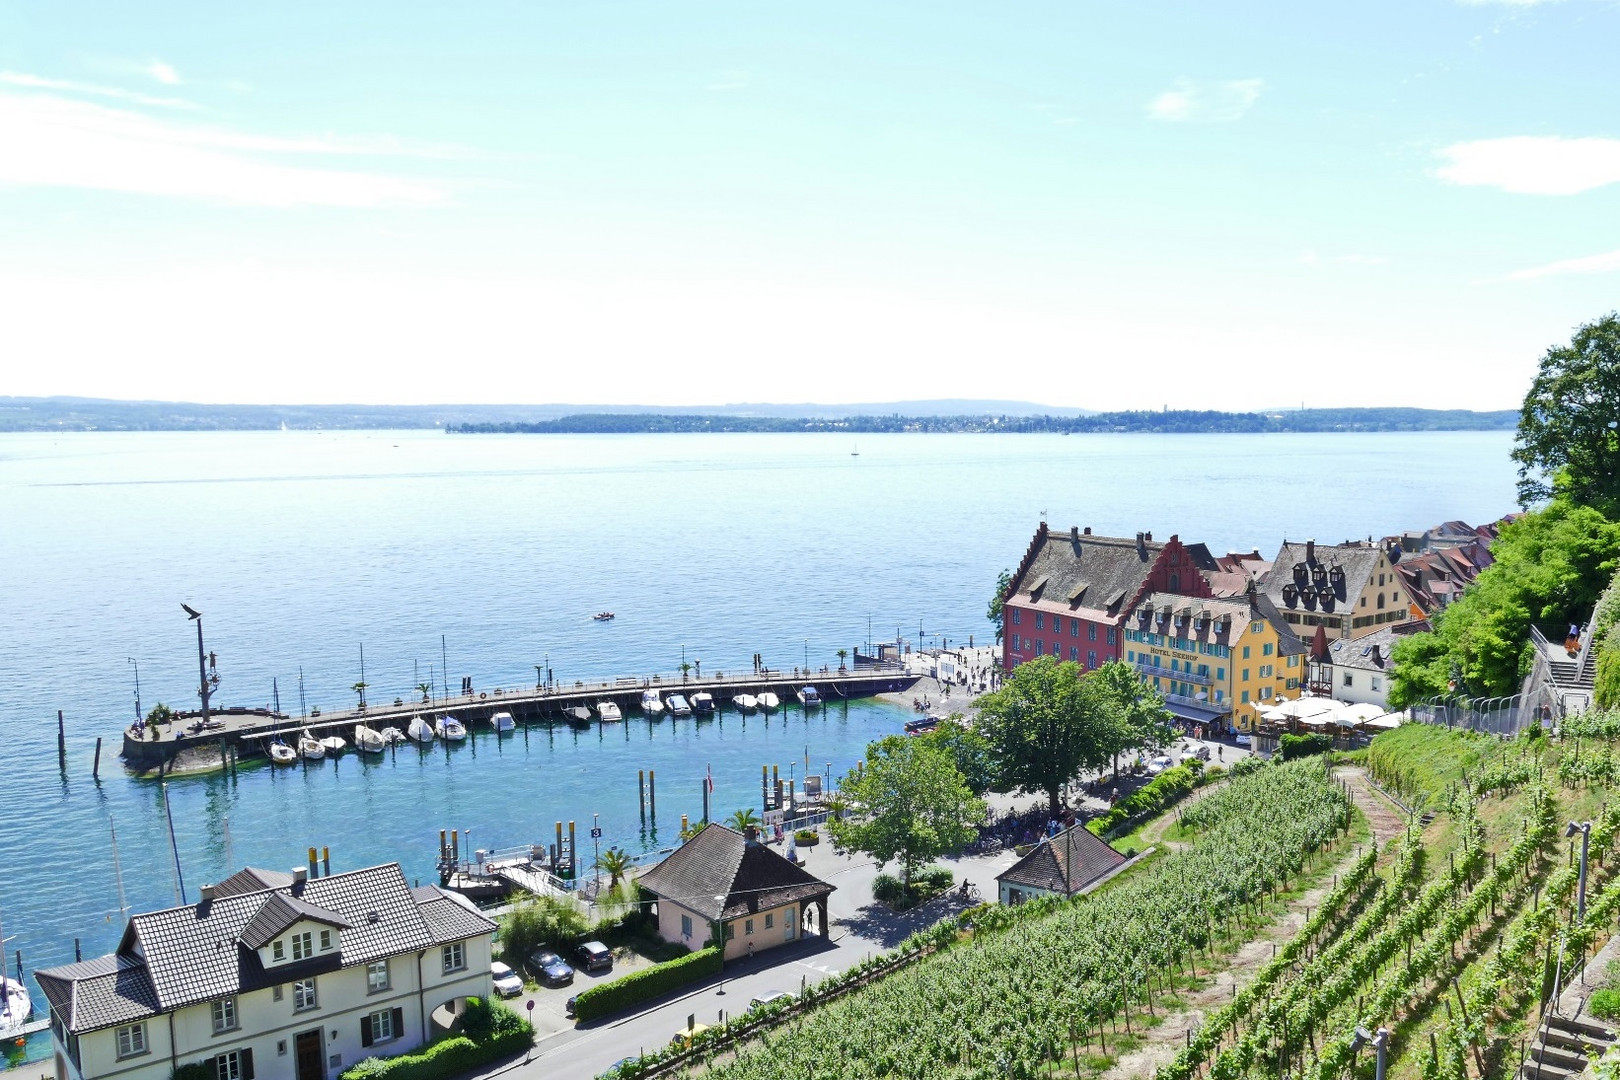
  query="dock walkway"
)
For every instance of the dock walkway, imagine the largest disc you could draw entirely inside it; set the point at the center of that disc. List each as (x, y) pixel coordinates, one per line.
(248, 731)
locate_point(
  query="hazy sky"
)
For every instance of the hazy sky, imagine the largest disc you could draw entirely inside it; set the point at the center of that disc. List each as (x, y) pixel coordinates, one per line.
(1094, 204)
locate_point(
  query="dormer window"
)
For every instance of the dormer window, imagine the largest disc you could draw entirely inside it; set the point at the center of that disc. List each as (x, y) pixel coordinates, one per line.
(326, 941)
(303, 946)
(278, 951)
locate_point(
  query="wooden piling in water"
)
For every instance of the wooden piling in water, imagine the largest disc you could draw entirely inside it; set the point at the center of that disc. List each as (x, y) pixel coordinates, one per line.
(61, 741)
(95, 767)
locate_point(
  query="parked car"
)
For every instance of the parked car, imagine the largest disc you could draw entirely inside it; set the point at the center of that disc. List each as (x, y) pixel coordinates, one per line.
(568, 1008)
(618, 1068)
(769, 999)
(1201, 752)
(595, 956)
(1244, 740)
(683, 1038)
(550, 969)
(1159, 764)
(508, 983)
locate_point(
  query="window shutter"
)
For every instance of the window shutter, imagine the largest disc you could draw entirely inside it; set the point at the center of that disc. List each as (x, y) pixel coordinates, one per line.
(365, 1031)
(399, 1023)
(247, 1064)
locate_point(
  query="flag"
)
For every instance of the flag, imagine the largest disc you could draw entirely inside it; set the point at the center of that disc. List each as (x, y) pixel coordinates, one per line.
(708, 778)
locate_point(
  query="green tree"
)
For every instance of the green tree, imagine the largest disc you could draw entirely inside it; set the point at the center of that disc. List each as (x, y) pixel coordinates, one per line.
(1128, 712)
(1569, 426)
(539, 921)
(743, 820)
(996, 613)
(913, 805)
(968, 748)
(424, 689)
(1551, 566)
(360, 688)
(1606, 686)
(1040, 728)
(160, 714)
(615, 864)
(686, 669)
(842, 655)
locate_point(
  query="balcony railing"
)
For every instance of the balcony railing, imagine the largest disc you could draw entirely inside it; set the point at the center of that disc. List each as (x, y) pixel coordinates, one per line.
(1171, 673)
(1197, 703)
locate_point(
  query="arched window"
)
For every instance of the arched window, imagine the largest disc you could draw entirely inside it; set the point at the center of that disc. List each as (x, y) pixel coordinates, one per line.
(1175, 582)
(1380, 599)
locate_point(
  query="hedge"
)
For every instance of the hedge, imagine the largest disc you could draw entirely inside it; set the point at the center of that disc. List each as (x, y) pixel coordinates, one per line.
(639, 986)
(1298, 746)
(491, 1031)
(1167, 788)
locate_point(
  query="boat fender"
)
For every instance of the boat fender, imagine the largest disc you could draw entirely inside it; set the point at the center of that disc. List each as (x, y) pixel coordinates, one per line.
(481, 697)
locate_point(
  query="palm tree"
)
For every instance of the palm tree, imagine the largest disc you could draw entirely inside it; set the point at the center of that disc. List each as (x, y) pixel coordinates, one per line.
(744, 821)
(360, 688)
(615, 864)
(841, 654)
(685, 668)
(425, 689)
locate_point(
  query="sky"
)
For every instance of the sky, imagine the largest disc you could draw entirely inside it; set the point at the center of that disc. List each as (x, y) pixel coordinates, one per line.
(1091, 204)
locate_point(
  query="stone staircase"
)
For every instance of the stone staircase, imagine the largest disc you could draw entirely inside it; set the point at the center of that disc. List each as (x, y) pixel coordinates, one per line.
(1564, 1047)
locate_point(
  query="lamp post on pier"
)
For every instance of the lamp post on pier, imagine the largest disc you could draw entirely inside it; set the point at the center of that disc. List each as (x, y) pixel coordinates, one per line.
(137, 664)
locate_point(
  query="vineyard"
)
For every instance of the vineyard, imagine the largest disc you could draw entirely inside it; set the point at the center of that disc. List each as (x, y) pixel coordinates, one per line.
(1452, 935)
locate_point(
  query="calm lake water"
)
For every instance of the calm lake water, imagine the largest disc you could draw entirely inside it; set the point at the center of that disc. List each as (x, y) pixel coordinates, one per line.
(300, 547)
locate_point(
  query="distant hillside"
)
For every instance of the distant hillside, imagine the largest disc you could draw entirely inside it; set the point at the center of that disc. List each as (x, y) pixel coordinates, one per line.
(950, 415)
(1164, 422)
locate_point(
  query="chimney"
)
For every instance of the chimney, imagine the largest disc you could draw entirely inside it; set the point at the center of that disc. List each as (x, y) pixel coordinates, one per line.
(1310, 551)
(300, 875)
(1074, 533)
(1377, 656)
(207, 893)
(1149, 537)
(1088, 530)
(1141, 548)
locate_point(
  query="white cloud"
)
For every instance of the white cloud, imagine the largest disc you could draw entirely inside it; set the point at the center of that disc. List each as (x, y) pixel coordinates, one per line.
(1209, 102)
(39, 82)
(53, 141)
(1533, 165)
(163, 73)
(1606, 263)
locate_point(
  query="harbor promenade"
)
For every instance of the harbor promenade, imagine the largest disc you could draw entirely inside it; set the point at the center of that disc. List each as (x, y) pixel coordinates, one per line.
(247, 732)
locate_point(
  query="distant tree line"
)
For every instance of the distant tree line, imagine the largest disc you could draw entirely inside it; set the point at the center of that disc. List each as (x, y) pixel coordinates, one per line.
(1171, 421)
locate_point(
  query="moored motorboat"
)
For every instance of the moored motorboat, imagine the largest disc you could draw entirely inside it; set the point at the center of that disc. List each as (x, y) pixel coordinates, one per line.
(809, 697)
(450, 729)
(419, 731)
(678, 705)
(334, 745)
(310, 748)
(603, 616)
(281, 754)
(922, 725)
(607, 712)
(746, 702)
(368, 741)
(577, 714)
(651, 703)
(769, 701)
(703, 702)
(502, 722)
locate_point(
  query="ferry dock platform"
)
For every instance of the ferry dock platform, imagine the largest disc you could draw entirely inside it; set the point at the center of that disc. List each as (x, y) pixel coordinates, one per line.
(248, 731)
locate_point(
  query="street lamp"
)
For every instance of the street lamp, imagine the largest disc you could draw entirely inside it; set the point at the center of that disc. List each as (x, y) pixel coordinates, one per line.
(137, 664)
(1585, 829)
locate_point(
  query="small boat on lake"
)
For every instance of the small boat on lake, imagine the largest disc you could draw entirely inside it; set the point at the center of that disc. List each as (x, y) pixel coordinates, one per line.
(281, 754)
(769, 701)
(745, 702)
(502, 722)
(368, 741)
(922, 726)
(15, 1005)
(577, 714)
(450, 729)
(678, 705)
(608, 712)
(651, 703)
(392, 735)
(419, 731)
(703, 703)
(334, 745)
(603, 616)
(310, 748)
(809, 697)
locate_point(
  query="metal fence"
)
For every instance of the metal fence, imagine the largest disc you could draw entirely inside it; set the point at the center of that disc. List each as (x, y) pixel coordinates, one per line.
(1504, 716)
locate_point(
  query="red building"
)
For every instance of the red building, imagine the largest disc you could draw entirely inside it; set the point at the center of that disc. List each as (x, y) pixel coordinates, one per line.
(1073, 590)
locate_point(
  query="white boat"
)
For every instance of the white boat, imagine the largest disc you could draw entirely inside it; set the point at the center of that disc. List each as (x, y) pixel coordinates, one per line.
(678, 706)
(502, 722)
(746, 702)
(282, 754)
(450, 729)
(769, 701)
(310, 748)
(606, 711)
(368, 741)
(651, 703)
(15, 1005)
(334, 745)
(703, 702)
(420, 731)
(392, 735)
(577, 714)
(809, 697)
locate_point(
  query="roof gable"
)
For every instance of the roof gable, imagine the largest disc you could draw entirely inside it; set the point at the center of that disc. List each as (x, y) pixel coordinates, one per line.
(279, 913)
(1065, 863)
(719, 875)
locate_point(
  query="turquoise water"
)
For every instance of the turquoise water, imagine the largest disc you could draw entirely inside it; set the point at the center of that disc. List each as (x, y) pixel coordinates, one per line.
(299, 548)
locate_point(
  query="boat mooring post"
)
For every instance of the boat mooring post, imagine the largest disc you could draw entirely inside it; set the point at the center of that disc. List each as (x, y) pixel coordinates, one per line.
(652, 793)
(95, 768)
(641, 791)
(61, 741)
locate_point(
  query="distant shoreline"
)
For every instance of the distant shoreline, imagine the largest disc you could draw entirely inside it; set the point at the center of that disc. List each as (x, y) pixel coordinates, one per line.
(966, 417)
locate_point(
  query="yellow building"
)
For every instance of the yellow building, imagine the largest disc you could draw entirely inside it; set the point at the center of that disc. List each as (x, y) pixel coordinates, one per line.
(1217, 662)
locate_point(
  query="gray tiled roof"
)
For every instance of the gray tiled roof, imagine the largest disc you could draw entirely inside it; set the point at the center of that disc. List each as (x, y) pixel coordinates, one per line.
(1066, 863)
(450, 916)
(248, 879)
(1282, 583)
(1358, 653)
(1072, 571)
(1238, 610)
(99, 993)
(198, 953)
(717, 863)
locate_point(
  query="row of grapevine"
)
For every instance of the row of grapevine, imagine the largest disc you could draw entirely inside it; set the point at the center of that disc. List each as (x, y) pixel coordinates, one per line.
(1014, 999)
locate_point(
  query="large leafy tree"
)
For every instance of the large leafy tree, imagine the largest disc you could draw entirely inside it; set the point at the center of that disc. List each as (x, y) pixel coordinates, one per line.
(1551, 566)
(911, 805)
(1129, 712)
(998, 600)
(1569, 426)
(968, 749)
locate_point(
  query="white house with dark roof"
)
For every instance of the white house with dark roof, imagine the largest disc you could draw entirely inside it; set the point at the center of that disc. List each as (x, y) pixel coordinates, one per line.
(1349, 590)
(274, 975)
(1067, 864)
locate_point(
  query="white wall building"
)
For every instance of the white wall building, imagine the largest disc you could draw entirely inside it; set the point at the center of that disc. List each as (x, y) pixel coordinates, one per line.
(1359, 669)
(271, 974)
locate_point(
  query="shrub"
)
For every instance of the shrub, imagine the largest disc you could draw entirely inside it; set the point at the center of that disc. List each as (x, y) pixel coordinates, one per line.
(538, 921)
(501, 1032)
(934, 877)
(639, 986)
(1164, 790)
(807, 838)
(886, 889)
(1246, 765)
(194, 1070)
(1605, 1004)
(1298, 746)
